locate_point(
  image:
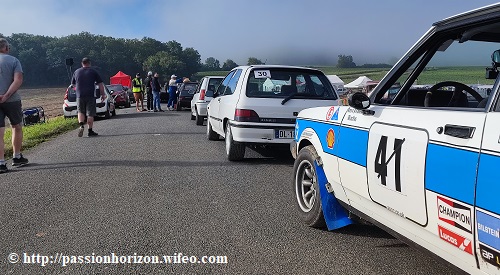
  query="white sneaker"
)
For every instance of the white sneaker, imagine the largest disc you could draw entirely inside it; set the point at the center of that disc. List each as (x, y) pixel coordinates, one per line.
(80, 132)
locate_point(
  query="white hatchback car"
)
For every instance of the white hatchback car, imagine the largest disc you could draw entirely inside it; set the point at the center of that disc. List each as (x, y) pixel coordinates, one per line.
(104, 107)
(257, 105)
(203, 95)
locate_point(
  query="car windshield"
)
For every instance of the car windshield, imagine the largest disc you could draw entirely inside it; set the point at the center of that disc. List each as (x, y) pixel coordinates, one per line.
(212, 85)
(189, 88)
(283, 83)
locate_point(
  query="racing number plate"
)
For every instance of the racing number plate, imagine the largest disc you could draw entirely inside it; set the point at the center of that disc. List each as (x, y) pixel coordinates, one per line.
(284, 134)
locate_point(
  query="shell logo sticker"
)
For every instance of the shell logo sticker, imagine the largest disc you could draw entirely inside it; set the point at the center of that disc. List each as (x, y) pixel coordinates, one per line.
(332, 114)
(330, 138)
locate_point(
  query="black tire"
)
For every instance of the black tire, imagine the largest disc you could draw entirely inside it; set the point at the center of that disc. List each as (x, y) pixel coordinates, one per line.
(211, 134)
(234, 150)
(114, 112)
(192, 117)
(199, 119)
(306, 189)
(127, 105)
(178, 106)
(107, 113)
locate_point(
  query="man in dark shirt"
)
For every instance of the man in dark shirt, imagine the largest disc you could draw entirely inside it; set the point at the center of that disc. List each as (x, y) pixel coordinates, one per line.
(148, 82)
(85, 79)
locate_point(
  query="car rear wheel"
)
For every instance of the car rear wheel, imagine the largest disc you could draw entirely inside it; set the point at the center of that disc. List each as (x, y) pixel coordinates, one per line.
(199, 119)
(193, 117)
(234, 150)
(306, 188)
(211, 134)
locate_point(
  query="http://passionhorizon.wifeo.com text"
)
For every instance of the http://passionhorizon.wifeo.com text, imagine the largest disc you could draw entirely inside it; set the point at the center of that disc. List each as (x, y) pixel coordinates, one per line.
(64, 260)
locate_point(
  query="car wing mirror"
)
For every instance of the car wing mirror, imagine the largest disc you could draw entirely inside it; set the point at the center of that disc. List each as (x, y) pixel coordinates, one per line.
(492, 73)
(359, 101)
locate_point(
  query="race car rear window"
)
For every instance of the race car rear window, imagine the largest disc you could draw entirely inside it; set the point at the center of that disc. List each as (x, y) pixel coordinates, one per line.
(281, 83)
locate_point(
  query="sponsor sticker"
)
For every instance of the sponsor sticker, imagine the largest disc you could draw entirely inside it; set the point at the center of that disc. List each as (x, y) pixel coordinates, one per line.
(489, 255)
(454, 213)
(330, 138)
(488, 229)
(456, 240)
(332, 114)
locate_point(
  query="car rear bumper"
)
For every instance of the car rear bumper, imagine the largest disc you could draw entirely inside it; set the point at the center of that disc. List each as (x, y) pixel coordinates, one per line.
(201, 107)
(71, 110)
(261, 134)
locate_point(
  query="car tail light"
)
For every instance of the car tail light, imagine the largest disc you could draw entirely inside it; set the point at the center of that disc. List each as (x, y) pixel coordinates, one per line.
(245, 115)
(202, 94)
(66, 95)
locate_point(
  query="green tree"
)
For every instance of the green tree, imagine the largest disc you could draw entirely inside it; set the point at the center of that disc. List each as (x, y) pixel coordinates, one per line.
(165, 64)
(254, 61)
(229, 65)
(192, 59)
(345, 61)
(211, 64)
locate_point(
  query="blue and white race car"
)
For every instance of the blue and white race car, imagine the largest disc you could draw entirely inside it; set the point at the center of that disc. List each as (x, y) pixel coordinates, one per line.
(419, 161)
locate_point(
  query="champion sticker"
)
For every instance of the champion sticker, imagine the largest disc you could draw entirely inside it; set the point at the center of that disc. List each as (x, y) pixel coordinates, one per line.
(332, 114)
(454, 213)
(330, 138)
(456, 240)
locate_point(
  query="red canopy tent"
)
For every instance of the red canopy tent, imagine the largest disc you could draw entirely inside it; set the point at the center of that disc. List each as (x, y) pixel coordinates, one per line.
(121, 78)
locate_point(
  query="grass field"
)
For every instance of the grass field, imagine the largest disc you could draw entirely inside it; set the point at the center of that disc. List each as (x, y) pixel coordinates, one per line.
(433, 75)
(38, 133)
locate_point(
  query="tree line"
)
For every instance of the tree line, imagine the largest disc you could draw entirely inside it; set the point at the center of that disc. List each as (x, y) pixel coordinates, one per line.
(46, 60)
(347, 61)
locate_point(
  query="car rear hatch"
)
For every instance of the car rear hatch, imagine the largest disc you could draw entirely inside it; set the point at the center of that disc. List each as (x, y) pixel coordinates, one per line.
(283, 93)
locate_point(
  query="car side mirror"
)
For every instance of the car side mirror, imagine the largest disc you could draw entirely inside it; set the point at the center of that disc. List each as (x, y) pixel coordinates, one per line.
(216, 94)
(359, 101)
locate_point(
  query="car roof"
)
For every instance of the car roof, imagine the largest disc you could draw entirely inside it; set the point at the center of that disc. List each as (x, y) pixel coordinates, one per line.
(482, 24)
(276, 67)
(488, 11)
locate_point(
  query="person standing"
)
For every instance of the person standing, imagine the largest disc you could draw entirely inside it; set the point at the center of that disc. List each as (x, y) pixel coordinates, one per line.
(84, 81)
(11, 79)
(149, 91)
(172, 89)
(156, 87)
(137, 90)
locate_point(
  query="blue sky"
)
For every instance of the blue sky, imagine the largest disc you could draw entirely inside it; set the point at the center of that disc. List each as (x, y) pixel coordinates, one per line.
(300, 32)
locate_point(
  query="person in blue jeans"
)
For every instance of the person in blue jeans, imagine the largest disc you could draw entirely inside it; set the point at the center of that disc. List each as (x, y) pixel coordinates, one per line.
(172, 92)
(155, 85)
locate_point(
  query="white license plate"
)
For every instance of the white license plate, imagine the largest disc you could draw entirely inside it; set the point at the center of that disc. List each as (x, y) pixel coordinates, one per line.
(284, 134)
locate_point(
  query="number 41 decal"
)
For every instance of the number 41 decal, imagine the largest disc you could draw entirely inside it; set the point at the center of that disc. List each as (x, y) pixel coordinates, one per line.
(381, 162)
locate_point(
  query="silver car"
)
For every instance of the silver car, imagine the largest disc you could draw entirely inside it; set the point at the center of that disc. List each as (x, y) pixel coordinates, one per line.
(203, 95)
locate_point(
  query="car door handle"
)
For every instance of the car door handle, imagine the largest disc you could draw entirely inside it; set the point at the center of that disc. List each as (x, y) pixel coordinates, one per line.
(459, 131)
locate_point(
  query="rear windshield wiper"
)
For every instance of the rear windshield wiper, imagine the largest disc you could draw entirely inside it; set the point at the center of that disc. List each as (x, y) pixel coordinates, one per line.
(288, 98)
